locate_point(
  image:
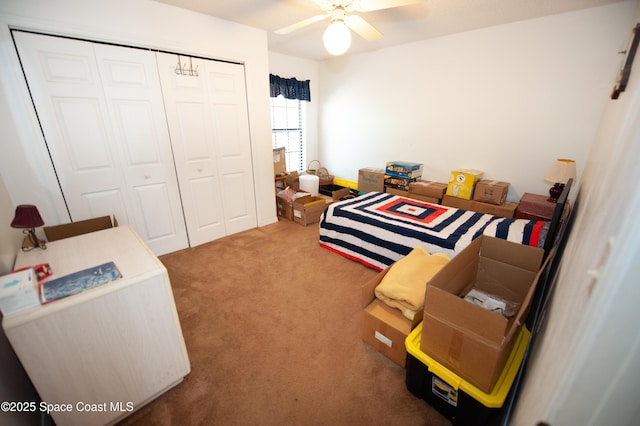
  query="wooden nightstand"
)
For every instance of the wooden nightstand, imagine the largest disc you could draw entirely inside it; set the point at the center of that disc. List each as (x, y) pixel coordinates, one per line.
(535, 207)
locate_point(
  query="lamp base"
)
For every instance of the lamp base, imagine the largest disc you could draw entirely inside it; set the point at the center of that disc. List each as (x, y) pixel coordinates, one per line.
(554, 192)
(32, 241)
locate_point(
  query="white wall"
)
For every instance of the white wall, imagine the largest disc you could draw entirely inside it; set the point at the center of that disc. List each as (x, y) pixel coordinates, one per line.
(586, 370)
(14, 383)
(25, 167)
(302, 69)
(506, 100)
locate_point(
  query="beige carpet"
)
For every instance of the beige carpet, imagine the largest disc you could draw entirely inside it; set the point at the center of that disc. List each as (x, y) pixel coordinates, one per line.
(272, 325)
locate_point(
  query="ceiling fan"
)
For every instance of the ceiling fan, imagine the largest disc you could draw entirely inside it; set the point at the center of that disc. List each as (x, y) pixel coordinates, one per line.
(337, 36)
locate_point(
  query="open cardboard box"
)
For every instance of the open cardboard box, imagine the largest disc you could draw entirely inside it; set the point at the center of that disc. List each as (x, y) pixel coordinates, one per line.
(467, 339)
(284, 208)
(336, 192)
(384, 327)
(308, 210)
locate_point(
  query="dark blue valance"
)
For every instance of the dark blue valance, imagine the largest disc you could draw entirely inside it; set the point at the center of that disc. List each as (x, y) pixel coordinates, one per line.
(290, 88)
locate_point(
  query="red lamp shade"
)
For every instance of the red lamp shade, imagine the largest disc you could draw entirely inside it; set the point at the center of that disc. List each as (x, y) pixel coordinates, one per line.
(27, 216)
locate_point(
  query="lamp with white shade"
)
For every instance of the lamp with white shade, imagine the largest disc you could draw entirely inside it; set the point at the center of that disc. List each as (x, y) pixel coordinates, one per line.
(558, 175)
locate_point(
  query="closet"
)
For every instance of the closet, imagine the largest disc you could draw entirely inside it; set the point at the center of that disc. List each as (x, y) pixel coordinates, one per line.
(133, 133)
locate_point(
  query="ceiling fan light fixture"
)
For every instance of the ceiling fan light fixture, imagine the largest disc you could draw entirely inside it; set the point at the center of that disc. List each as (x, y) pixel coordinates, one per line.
(337, 38)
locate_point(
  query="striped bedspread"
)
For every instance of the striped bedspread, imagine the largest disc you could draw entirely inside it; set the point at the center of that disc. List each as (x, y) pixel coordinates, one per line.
(378, 229)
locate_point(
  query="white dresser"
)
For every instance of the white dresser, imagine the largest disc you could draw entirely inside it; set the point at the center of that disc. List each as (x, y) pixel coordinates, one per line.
(103, 353)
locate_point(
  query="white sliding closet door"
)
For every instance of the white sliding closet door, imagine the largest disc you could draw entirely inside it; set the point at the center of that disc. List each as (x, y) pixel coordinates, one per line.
(209, 127)
(132, 90)
(101, 112)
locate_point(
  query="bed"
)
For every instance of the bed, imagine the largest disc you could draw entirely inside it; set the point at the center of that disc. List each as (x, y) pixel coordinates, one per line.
(377, 229)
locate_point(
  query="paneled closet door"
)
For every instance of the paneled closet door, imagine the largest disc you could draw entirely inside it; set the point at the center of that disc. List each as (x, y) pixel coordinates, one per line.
(209, 127)
(100, 108)
(227, 91)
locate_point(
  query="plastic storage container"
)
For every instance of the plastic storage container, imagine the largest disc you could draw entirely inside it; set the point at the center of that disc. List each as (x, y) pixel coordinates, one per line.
(310, 184)
(452, 396)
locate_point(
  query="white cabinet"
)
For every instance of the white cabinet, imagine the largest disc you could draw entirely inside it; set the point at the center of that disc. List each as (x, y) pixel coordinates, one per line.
(112, 348)
(169, 154)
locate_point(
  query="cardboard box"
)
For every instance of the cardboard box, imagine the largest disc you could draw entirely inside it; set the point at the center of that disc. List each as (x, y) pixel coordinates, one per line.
(284, 202)
(293, 180)
(428, 188)
(371, 180)
(284, 208)
(409, 194)
(462, 182)
(465, 338)
(425, 198)
(505, 210)
(404, 169)
(67, 230)
(394, 191)
(307, 210)
(18, 291)
(335, 192)
(384, 327)
(279, 162)
(491, 191)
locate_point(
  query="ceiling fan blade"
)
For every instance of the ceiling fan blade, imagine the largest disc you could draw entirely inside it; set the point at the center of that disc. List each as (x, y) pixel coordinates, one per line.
(299, 25)
(362, 28)
(371, 5)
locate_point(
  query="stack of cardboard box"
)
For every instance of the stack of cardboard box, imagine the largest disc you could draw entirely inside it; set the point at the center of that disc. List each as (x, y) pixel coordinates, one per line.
(471, 341)
(399, 174)
(466, 338)
(462, 183)
(385, 328)
(466, 190)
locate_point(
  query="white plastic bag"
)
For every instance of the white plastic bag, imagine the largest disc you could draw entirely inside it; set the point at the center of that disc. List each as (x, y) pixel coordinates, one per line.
(492, 303)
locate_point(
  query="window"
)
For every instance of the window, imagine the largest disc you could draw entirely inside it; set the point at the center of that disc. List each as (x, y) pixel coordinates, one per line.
(287, 130)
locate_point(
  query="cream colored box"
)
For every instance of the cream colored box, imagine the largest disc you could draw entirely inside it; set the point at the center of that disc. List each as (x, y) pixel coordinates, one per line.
(462, 183)
(18, 291)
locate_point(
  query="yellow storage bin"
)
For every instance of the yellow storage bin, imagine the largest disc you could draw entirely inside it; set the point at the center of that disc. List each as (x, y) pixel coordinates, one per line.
(452, 396)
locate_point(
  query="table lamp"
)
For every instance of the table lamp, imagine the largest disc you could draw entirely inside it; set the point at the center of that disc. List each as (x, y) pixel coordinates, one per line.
(28, 218)
(560, 172)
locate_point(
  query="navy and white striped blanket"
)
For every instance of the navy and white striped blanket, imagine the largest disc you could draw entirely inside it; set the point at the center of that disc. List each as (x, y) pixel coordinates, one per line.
(378, 229)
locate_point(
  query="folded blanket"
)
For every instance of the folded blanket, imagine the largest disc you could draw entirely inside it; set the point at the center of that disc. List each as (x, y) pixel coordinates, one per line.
(404, 285)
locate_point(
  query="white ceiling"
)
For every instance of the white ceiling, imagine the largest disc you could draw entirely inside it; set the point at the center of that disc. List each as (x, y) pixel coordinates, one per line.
(427, 19)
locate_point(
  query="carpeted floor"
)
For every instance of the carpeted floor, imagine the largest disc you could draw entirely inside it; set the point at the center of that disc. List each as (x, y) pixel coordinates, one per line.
(272, 326)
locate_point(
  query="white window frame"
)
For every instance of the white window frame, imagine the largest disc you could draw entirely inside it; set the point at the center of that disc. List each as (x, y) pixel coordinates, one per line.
(288, 130)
